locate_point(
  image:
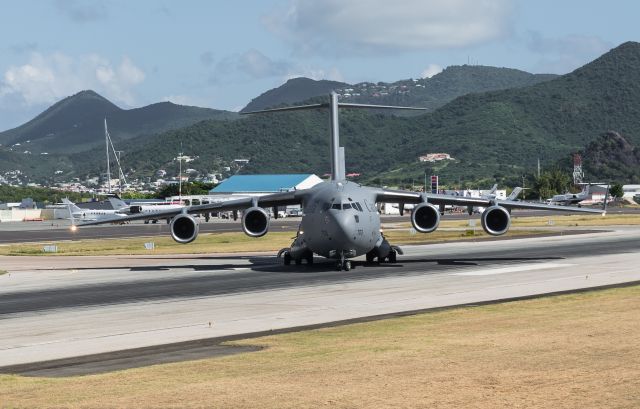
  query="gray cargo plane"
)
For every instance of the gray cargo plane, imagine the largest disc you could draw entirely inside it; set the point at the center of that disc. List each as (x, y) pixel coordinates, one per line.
(340, 219)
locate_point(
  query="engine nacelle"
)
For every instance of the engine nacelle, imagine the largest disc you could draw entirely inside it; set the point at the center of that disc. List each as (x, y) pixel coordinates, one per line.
(496, 220)
(135, 209)
(425, 218)
(184, 228)
(255, 222)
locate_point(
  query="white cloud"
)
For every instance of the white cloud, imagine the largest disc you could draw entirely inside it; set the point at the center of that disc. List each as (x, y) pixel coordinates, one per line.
(431, 70)
(379, 26)
(47, 78)
(564, 54)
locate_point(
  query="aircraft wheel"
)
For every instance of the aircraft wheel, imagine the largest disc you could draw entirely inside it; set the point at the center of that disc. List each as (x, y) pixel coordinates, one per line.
(381, 259)
(146, 222)
(287, 258)
(298, 261)
(370, 257)
(392, 256)
(347, 265)
(310, 258)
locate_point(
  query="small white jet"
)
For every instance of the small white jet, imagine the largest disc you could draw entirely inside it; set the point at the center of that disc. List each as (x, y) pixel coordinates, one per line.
(77, 213)
(149, 209)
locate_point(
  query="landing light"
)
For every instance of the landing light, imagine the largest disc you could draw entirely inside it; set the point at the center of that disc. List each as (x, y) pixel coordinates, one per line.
(74, 228)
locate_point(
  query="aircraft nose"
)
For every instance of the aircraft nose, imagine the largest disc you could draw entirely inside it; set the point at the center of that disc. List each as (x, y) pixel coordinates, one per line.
(343, 225)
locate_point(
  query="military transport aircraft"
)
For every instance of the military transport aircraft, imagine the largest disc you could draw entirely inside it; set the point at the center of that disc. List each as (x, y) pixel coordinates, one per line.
(340, 218)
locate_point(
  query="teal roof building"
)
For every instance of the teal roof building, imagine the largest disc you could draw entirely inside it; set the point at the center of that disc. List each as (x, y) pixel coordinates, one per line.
(264, 184)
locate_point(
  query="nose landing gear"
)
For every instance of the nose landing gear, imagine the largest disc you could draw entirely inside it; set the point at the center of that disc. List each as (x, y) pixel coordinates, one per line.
(344, 265)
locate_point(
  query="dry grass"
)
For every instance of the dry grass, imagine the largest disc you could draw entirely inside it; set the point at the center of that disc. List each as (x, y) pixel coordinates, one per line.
(220, 243)
(573, 351)
(553, 221)
(232, 242)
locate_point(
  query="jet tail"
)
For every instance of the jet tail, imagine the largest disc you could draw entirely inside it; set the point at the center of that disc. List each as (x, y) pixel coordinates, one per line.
(337, 152)
(72, 206)
(514, 193)
(117, 203)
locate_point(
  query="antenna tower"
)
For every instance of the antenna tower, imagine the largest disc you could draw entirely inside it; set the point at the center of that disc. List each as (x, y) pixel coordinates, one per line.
(578, 175)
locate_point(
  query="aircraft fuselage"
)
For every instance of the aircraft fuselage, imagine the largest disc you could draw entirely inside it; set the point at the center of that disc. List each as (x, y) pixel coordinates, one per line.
(340, 219)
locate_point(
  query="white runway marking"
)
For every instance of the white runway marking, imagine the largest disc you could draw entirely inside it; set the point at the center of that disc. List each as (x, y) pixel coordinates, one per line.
(511, 269)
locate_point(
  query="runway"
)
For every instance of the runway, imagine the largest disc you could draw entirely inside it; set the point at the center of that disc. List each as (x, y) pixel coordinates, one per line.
(63, 307)
(57, 230)
(43, 232)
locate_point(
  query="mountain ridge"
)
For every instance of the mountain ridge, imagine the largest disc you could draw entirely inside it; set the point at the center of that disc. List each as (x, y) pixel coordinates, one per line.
(75, 123)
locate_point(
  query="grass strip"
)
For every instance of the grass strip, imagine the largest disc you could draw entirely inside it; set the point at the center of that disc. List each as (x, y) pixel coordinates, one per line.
(571, 351)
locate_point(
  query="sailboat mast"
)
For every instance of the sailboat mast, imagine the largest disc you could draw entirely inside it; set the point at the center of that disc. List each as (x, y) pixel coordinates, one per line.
(106, 142)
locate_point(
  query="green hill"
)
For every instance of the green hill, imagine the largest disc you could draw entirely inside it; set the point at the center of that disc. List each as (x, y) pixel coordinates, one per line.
(611, 157)
(76, 123)
(292, 91)
(500, 133)
(429, 93)
(495, 135)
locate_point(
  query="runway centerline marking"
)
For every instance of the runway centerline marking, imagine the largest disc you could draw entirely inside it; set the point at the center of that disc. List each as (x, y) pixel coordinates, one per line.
(511, 269)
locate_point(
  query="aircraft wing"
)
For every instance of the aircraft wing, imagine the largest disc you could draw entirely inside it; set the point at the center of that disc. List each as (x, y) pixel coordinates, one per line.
(273, 200)
(402, 196)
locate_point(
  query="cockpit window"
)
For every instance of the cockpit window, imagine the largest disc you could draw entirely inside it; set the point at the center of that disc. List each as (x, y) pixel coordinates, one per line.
(346, 206)
(336, 206)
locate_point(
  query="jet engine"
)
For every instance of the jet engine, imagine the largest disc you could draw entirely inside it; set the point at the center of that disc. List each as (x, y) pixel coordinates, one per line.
(495, 220)
(135, 209)
(255, 222)
(184, 228)
(425, 218)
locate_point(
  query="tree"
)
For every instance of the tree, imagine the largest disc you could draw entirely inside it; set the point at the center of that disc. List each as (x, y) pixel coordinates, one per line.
(616, 190)
(188, 188)
(552, 182)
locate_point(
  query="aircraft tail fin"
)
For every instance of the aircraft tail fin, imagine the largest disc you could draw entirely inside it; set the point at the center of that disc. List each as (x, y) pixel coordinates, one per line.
(117, 203)
(337, 152)
(493, 190)
(72, 206)
(514, 193)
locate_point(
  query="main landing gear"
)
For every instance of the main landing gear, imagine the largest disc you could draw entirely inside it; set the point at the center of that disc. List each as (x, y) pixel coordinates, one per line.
(391, 257)
(287, 258)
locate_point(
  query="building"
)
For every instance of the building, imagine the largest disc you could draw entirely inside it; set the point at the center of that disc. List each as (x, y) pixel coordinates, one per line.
(258, 185)
(435, 157)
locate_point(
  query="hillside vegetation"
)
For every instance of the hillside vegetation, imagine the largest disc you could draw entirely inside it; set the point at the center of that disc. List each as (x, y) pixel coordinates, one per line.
(430, 93)
(493, 135)
(76, 123)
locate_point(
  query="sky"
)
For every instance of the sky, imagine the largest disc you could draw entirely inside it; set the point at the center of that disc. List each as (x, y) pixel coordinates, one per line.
(221, 54)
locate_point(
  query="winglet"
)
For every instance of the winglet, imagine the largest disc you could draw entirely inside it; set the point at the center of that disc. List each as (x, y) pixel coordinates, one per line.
(74, 227)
